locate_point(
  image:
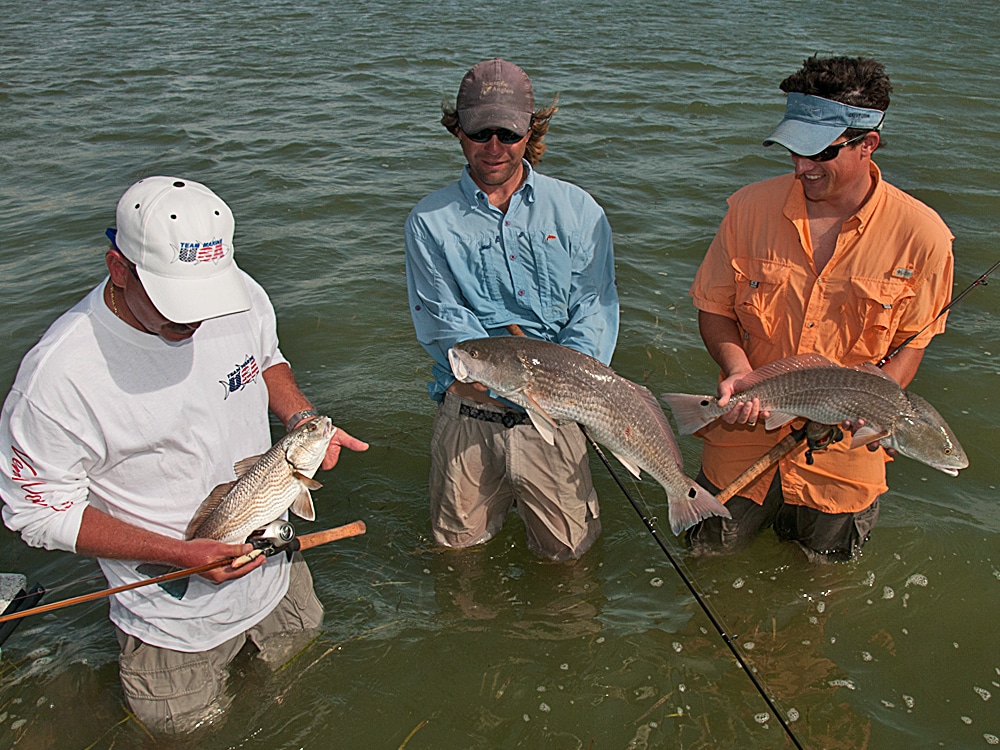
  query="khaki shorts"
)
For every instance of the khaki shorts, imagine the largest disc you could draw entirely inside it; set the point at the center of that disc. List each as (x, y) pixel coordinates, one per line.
(481, 468)
(823, 537)
(174, 692)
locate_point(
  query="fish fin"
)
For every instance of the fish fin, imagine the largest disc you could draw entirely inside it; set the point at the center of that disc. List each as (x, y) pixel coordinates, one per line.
(309, 482)
(176, 588)
(303, 506)
(777, 419)
(871, 369)
(867, 434)
(696, 504)
(242, 466)
(689, 411)
(544, 423)
(206, 508)
(782, 366)
(630, 465)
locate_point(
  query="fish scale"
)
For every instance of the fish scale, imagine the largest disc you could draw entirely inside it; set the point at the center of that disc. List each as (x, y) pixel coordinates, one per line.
(554, 382)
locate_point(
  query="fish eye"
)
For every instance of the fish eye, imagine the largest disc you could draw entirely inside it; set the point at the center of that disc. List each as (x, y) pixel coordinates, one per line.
(474, 353)
(947, 451)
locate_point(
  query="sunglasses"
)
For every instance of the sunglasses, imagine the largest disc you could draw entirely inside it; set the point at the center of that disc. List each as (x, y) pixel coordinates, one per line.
(830, 152)
(503, 135)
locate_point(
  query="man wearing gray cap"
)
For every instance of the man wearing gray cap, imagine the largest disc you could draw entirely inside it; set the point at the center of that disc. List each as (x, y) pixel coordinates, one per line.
(506, 250)
(132, 407)
(831, 260)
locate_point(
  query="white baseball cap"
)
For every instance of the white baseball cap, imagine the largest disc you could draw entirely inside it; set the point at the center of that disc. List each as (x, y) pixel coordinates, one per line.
(179, 234)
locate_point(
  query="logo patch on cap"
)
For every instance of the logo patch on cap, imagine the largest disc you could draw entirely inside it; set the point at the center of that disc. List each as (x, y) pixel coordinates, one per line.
(201, 252)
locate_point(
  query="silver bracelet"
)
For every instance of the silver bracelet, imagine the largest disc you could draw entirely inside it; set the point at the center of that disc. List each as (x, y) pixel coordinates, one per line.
(298, 417)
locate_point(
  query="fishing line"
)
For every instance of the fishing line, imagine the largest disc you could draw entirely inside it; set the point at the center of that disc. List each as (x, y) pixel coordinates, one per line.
(694, 592)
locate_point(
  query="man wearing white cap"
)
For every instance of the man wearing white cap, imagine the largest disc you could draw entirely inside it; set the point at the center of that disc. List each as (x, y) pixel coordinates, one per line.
(130, 409)
(507, 250)
(829, 259)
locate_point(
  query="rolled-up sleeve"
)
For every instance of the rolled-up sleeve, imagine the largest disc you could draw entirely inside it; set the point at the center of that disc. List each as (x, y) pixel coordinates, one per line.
(43, 483)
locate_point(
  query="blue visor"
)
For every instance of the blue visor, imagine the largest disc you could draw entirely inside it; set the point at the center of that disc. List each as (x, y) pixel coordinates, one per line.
(812, 123)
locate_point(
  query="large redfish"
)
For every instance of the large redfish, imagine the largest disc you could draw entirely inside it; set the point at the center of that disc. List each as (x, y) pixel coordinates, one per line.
(555, 383)
(811, 386)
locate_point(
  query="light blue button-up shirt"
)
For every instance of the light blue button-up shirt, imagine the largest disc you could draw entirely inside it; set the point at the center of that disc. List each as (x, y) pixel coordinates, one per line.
(546, 265)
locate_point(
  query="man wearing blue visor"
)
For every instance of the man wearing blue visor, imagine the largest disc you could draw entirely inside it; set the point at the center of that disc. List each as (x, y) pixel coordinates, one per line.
(829, 260)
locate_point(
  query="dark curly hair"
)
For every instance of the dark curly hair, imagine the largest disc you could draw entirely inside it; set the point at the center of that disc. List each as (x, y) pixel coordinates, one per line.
(539, 127)
(855, 81)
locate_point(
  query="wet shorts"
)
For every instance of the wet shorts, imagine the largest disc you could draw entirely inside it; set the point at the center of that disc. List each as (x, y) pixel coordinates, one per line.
(173, 692)
(823, 537)
(485, 461)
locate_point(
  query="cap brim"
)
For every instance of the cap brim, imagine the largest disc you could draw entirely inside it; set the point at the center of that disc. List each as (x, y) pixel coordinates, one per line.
(805, 138)
(474, 119)
(194, 300)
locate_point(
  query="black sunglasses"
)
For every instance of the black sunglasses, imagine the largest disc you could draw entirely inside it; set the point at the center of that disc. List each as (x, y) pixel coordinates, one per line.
(830, 152)
(503, 135)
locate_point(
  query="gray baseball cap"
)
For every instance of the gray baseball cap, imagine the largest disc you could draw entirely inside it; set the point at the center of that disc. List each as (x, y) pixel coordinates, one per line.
(495, 94)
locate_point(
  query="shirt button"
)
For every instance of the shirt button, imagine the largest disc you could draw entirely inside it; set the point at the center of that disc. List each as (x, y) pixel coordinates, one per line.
(520, 292)
(513, 257)
(810, 325)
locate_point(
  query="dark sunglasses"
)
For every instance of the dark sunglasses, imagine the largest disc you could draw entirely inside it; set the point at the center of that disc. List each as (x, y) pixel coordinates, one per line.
(830, 152)
(503, 135)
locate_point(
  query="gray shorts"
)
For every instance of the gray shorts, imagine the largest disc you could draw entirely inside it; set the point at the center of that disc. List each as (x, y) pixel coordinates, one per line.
(482, 465)
(823, 537)
(173, 692)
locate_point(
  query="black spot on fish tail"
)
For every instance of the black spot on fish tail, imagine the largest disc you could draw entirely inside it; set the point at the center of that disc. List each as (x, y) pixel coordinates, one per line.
(705, 402)
(692, 493)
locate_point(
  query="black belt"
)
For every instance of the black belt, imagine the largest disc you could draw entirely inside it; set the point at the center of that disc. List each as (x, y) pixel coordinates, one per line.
(506, 418)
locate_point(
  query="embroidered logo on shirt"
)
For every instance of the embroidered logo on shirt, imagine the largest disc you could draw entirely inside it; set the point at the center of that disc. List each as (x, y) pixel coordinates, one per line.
(550, 237)
(903, 273)
(241, 377)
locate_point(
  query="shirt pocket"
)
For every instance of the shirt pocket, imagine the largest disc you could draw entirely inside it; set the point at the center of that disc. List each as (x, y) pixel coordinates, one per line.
(548, 256)
(761, 288)
(877, 303)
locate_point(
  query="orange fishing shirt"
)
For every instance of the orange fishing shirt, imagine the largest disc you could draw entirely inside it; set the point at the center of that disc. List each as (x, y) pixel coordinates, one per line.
(890, 274)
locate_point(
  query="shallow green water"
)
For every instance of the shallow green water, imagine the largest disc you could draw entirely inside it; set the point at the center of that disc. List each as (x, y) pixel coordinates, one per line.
(317, 122)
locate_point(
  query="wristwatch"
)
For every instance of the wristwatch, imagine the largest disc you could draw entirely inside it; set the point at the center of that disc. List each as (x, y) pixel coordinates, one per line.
(298, 416)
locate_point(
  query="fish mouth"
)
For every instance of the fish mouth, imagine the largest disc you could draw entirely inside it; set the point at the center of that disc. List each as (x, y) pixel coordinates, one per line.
(458, 366)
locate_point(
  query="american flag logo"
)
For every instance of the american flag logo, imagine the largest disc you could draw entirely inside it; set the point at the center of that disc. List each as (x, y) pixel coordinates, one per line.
(241, 377)
(201, 252)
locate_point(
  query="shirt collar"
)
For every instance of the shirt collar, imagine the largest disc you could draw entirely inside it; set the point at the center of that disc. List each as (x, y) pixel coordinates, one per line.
(795, 204)
(475, 196)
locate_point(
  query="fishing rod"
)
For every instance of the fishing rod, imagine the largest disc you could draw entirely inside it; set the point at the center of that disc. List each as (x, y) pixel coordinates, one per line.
(727, 639)
(796, 437)
(308, 541)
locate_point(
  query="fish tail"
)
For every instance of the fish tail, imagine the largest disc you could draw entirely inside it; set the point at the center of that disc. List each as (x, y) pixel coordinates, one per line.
(696, 504)
(690, 412)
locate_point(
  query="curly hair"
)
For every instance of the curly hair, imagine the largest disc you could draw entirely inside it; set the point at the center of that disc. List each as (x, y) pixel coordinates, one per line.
(536, 140)
(855, 81)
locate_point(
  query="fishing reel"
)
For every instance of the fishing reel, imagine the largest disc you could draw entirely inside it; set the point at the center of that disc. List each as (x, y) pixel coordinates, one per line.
(277, 536)
(819, 436)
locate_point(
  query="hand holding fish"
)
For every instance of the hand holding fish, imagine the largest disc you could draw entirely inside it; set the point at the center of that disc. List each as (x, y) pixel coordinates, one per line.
(340, 440)
(742, 412)
(856, 425)
(196, 552)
